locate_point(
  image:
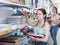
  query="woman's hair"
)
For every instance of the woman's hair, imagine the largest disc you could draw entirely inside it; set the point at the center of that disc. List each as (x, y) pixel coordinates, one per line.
(55, 9)
(44, 12)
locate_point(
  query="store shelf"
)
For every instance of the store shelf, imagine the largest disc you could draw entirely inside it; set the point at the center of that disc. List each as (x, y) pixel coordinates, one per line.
(7, 34)
(17, 20)
(10, 4)
(15, 17)
(6, 29)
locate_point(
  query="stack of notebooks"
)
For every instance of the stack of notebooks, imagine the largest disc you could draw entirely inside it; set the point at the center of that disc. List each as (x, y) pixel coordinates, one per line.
(37, 36)
(11, 41)
(21, 37)
(1, 44)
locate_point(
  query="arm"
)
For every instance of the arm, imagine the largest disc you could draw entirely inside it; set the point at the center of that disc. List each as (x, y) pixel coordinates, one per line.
(47, 33)
(31, 23)
(56, 21)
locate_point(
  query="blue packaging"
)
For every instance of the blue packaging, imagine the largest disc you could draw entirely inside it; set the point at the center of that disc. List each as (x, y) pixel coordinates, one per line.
(18, 12)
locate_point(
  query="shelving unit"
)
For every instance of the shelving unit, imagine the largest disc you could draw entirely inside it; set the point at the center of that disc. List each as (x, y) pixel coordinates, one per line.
(6, 29)
(17, 20)
(10, 4)
(14, 17)
(6, 33)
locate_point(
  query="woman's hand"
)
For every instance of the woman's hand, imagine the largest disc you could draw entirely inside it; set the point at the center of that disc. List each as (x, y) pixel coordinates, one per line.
(37, 39)
(28, 34)
(32, 37)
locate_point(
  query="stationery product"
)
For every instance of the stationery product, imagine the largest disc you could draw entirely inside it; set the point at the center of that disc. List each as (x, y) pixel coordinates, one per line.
(10, 41)
(37, 36)
(27, 2)
(26, 30)
(31, 3)
(1, 44)
(14, 1)
(21, 1)
(36, 3)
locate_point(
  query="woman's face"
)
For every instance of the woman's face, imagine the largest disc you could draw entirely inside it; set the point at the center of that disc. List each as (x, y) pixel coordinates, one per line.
(40, 15)
(54, 11)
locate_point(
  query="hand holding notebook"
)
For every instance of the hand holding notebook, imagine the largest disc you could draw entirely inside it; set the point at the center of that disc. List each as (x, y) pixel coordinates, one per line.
(37, 36)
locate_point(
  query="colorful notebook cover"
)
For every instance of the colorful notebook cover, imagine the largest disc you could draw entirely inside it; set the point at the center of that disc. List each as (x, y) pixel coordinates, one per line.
(1, 44)
(36, 36)
(18, 36)
(12, 40)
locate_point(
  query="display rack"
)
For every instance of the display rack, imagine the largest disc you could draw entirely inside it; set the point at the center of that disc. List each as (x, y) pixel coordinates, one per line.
(10, 4)
(14, 17)
(7, 34)
(13, 5)
(17, 20)
(6, 29)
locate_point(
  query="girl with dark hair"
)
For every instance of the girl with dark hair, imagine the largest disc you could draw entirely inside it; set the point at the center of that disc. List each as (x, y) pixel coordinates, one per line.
(41, 27)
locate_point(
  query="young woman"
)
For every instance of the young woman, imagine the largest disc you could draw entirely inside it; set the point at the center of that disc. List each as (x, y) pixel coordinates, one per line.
(54, 24)
(41, 27)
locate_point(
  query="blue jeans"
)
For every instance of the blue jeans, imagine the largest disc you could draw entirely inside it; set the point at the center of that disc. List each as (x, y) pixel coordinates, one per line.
(38, 43)
(41, 43)
(53, 31)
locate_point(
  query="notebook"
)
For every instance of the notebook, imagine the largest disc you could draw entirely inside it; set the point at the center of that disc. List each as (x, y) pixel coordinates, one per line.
(37, 36)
